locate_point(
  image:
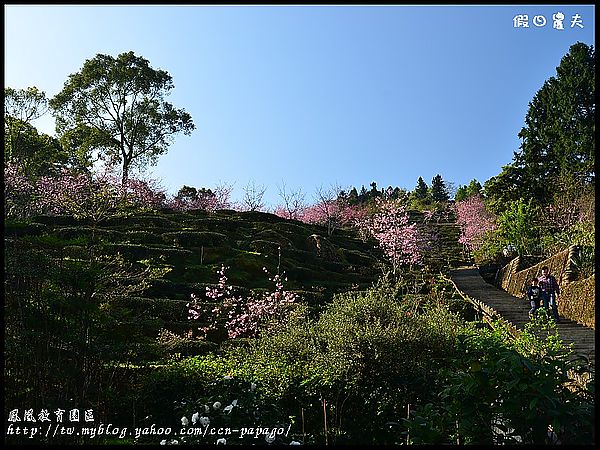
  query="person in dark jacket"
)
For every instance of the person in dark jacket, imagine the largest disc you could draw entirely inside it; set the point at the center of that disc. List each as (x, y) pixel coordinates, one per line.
(534, 294)
(550, 292)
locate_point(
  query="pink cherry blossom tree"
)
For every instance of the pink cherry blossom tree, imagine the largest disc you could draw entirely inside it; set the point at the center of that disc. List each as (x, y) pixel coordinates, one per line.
(18, 192)
(238, 316)
(143, 193)
(332, 211)
(400, 240)
(82, 195)
(327, 209)
(474, 221)
(351, 215)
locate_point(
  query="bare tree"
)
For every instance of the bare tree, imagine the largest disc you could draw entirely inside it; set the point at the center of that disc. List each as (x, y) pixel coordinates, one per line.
(451, 188)
(293, 201)
(253, 197)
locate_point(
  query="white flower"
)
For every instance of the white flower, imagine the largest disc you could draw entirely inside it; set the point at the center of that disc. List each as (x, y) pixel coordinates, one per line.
(195, 418)
(184, 421)
(216, 405)
(163, 442)
(295, 443)
(228, 409)
(221, 441)
(234, 403)
(204, 421)
(269, 439)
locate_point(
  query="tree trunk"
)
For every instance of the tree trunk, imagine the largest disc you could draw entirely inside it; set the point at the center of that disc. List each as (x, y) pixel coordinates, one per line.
(125, 176)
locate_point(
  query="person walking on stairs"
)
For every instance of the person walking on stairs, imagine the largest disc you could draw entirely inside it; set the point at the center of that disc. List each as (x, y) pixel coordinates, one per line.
(534, 294)
(550, 292)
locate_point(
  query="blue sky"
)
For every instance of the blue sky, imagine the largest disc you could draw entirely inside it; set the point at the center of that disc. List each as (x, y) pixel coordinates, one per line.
(316, 95)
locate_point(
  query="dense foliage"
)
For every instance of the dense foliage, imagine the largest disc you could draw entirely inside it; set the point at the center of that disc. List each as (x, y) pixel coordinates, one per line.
(558, 136)
(117, 106)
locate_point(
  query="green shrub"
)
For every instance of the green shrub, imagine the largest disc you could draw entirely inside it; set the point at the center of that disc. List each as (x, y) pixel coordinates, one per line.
(266, 247)
(142, 237)
(357, 257)
(367, 351)
(58, 220)
(490, 251)
(194, 238)
(163, 308)
(53, 241)
(273, 236)
(491, 392)
(259, 216)
(98, 234)
(174, 344)
(15, 228)
(138, 252)
(145, 221)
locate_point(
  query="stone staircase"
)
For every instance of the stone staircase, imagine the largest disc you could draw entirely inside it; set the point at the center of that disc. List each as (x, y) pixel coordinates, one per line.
(496, 303)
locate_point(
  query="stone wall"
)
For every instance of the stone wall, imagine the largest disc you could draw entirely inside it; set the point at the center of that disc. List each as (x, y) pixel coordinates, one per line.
(577, 298)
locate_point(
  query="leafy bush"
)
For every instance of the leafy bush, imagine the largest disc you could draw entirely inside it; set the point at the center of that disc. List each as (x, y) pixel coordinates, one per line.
(139, 251)
(142, 237)
(501, 392)
(490, 251)
(368, 351)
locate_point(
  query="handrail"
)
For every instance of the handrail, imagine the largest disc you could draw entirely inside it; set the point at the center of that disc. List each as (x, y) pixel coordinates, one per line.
(489, 313)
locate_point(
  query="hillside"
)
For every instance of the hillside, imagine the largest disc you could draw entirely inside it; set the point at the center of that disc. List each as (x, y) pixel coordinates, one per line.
(194, 245)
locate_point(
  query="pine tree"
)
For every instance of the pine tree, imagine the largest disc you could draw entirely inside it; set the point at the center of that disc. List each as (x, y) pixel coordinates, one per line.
(421, 190)
(439, 191)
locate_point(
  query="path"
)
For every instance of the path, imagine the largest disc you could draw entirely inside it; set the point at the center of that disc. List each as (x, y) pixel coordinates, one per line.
(494, 302)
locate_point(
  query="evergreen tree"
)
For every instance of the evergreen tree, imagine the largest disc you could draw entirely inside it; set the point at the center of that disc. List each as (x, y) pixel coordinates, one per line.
(439, 191)
(421, 190)
(353, 196)
(374, 192)
(363, 196)
(558, 136)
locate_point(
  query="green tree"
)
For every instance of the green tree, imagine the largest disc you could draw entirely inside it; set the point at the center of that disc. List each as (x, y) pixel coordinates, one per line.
(84, 145)
(558, 136)
(421, 190)
(464, 192)
(363, 196)
(504, 188)
(519, 225)
(118, 104)
(25, 104)
(353, 196)
(439, 191)
(35, 154)
(187, 193)
(374, 192)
